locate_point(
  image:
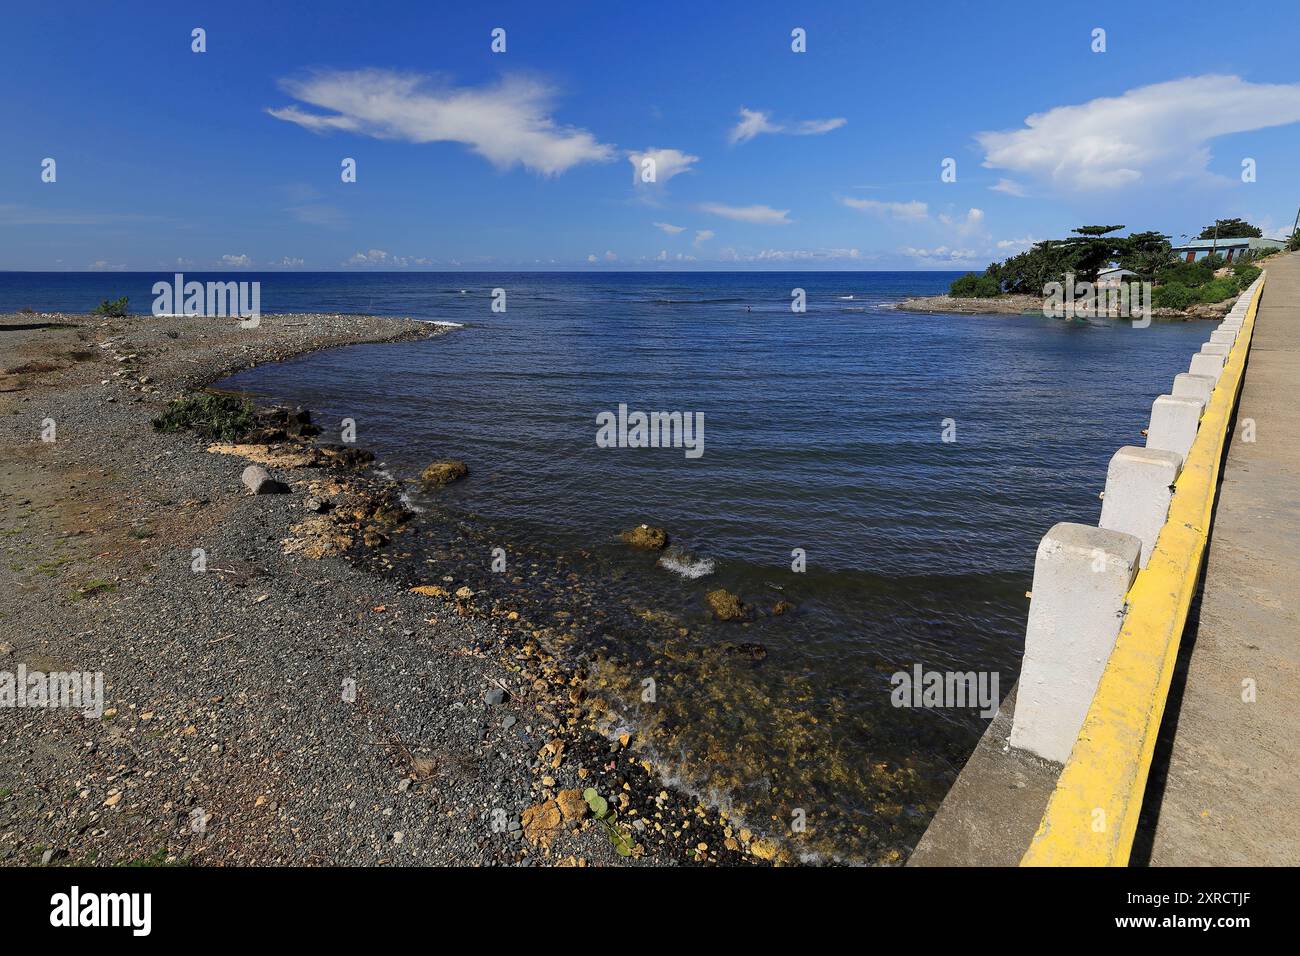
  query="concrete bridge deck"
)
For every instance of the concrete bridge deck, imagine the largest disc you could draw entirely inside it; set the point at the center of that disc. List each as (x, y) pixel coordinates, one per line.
(1226, 778)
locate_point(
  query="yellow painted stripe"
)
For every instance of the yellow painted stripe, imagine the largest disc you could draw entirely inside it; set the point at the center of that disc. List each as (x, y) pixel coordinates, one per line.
(1093, 812)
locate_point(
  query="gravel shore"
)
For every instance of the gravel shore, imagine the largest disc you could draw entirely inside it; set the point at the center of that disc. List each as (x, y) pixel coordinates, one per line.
(230, 734)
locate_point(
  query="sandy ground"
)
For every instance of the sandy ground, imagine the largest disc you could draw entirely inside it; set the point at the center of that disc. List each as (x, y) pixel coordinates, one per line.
(226, 737)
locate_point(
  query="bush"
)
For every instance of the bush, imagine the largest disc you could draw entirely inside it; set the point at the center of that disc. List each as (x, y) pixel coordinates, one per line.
(1244, 274)
(1172, 295)
(1190, 274)
(974, 286)
(114, 309)
(216, 417)
(1218, 290)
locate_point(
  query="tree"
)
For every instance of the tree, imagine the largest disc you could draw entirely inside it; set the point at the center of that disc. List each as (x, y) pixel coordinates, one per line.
(1231, 229)
(1147, 254)
(1293, 243)
(1096, 230)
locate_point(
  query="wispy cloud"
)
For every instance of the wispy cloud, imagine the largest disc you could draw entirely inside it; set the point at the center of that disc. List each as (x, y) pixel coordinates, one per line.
(702, 236)
(755, 122)
(507, 123)
(764, 215)
(666, 163)
(240, 261)
(1010, 187)
(1150, 133)
(913, 210)
(791, 255)
(669, 228)
(15, 215)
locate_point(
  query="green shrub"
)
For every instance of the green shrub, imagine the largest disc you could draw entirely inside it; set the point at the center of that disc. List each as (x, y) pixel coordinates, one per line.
(974, 286)
(113, 308)
(1172, 295)
(1218, 290)
(1190, 274)
(1244, 274)
(217, 417)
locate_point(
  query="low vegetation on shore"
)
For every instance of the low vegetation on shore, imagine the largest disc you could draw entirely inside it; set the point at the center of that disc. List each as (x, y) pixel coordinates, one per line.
(1177, 286)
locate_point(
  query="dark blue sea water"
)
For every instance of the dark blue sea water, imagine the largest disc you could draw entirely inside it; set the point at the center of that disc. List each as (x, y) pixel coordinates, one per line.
(823, 432)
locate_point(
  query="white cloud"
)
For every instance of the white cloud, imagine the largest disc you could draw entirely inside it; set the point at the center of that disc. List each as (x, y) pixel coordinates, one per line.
(703, 235)
(667, 164)
(1151, 133)
(291, 262)
(592, 258)
(969, 223)
(1010, 187)
(236, 262)
(765, 215)
(379, 257)
(939, 254)
(789, 255)
(754, 122)
(610, 255)
(669, 228)
(507, 123)
(895, 210)
(1015, 245)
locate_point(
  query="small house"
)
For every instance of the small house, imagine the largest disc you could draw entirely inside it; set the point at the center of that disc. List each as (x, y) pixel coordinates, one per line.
(1227, 249)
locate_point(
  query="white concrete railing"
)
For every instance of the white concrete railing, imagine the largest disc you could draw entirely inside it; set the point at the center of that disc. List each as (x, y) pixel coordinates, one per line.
(1082, 574)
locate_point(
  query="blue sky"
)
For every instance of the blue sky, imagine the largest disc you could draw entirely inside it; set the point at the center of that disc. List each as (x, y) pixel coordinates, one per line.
(469, 159)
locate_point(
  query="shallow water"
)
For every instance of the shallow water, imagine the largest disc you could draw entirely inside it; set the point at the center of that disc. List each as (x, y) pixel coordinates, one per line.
(823, 432)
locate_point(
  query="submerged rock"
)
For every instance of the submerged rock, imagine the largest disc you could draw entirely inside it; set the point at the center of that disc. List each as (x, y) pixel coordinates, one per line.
(444, 472)
(782, 607)
(725, 605)
(747, 650)
(645, 537)
(345, 456)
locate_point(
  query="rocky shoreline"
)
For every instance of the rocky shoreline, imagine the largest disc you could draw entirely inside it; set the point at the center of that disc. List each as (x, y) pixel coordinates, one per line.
(269, 699)
(1031, 304)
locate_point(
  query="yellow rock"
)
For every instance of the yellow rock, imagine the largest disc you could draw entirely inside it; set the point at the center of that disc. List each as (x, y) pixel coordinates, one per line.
(541, 823)
(430, 590)
(571, 804)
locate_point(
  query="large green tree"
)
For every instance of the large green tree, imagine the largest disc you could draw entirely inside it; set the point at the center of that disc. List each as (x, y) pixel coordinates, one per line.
(1231, 229)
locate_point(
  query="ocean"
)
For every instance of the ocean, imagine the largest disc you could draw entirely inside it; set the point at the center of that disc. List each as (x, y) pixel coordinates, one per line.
(886, 474)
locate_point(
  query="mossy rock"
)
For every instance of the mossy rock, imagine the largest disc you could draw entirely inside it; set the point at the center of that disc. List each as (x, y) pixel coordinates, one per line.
(725, 605)
(443, 472)
(645, 537)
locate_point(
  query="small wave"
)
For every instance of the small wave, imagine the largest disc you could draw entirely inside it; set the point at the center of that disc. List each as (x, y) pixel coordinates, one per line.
(844, 297)
(695, 301)
(688, 566)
